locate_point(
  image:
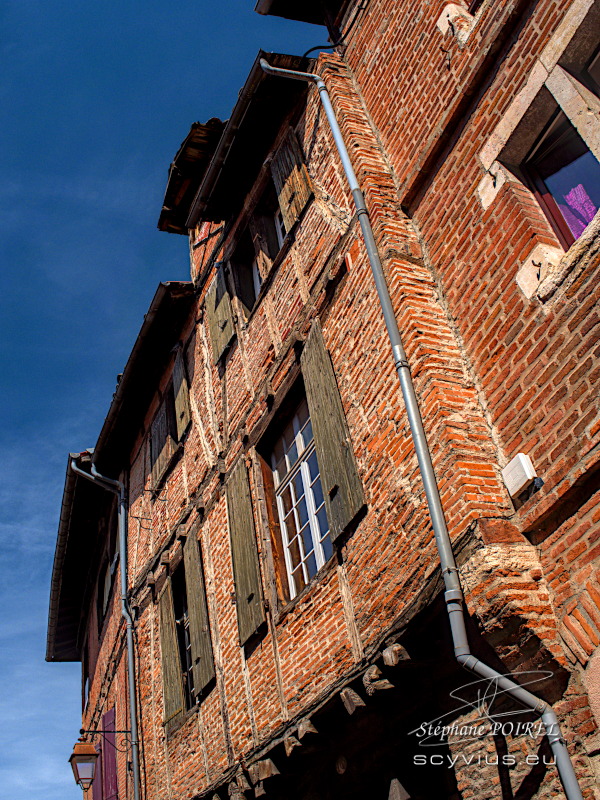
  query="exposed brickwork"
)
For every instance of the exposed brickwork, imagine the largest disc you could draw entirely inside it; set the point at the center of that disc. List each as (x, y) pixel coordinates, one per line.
(496, 373)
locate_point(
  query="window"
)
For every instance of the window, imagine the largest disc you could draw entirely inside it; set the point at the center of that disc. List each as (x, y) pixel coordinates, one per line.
(474, 6)
(300, 502)
(312, 489)
(548, 136)
(246, 272)
(170, 422)
(565, 177)
(593, 71)
(257, 247)
(182, 623)
(186, 648)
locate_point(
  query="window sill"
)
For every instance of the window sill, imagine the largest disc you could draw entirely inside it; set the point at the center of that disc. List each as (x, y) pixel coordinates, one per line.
(582, 254)
(285, 608)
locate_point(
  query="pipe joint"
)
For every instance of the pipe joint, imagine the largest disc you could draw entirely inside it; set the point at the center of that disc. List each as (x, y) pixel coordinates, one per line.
(453, 596)
(466, 660)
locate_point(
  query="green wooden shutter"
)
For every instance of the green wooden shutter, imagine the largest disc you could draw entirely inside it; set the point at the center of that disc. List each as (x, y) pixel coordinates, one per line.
(162, 445)
(171, 664)
(182, 396)
(264, 238)
(202, 655)
(220, 317)
(246, 571)
(291, 180)
(344, 496)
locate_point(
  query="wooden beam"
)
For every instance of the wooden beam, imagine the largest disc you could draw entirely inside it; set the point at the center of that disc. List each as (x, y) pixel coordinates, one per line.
(351, 700)
(305, 726)
(262, 770)
(290, 742)
(397, 791)
(394, 654)
(373, 682)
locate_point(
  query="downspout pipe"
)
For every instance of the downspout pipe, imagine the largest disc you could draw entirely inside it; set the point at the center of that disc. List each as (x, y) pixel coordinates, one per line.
(118, 488)
(453, 592)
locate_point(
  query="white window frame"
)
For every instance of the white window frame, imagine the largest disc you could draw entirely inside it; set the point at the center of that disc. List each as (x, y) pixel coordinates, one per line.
(300, 467)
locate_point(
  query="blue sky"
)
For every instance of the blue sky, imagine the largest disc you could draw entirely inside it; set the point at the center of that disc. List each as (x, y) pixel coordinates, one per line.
(97, 96)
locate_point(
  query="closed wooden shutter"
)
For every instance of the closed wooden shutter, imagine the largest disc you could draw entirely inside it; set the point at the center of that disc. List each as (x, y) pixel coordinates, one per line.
(182, 396)
(161, 444)
(291, 180)
(264, 239)
(219, 315)
(202, 654)
(98, 777)
(109, 760)
(171, 663)
(246, 571)
(344, 496)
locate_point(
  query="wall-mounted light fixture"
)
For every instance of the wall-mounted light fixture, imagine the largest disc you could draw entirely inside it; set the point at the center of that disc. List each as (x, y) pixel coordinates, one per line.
(85, 755)
(83, 762)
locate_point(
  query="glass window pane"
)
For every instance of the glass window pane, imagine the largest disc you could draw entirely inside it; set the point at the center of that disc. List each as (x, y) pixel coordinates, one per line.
(322, 521)
(292, 455)
(298, 580)
(287, 501)
(570, 172)
(313, 467)
(311, 565)
(295, 554)
(576, 189)
(302, 511)
(317, 491)
(327, 548)
(307, 539)
(298, 485)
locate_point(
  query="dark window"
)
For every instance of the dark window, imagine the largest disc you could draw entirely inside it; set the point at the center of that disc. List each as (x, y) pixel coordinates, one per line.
(474, 6)
(593, 70)
(565, 177)
(246, 271)
(187, 660)
(170, 422)
(182, 622)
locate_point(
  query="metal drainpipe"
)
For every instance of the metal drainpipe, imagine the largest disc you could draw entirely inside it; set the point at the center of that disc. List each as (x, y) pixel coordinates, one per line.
(118, 488)
(453, 594)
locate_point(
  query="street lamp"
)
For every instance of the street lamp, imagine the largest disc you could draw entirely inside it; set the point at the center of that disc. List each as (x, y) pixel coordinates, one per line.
(83, 762)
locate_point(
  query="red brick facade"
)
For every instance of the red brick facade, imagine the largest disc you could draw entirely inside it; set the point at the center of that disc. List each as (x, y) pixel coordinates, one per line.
(433, 102)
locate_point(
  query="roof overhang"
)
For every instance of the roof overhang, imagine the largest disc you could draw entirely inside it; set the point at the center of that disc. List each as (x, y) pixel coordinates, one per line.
(263, 103)
(315, 11)
(153, 348)
(83, 503)
(186, 172)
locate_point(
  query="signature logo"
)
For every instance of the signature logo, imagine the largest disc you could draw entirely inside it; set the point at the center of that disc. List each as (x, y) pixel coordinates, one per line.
(483, 696)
